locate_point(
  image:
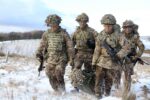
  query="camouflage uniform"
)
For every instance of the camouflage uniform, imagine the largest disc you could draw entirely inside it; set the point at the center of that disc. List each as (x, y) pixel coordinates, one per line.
(133, 40)
(84, 51)
(105, 67)
(117, 76)
(57, 48)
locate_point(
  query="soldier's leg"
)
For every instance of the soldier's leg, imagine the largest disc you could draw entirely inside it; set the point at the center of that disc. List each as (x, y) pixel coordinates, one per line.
(59, 72)
(50, 69)
(127, 81)
(88, 62)
(90, 72)
(99, 78)
(117, 78)
(108, 81)
(78, 62)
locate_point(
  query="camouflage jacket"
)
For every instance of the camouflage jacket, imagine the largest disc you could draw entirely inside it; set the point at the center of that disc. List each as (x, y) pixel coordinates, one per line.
(56, 46)
(101, 57)
(134, 42)
(80, 38)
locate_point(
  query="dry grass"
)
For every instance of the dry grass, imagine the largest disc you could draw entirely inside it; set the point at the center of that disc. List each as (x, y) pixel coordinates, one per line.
(34, 97)
(9, 68)
(15, 55)
(147, 51)
(2, 54)
(129, 96)
(146, 91)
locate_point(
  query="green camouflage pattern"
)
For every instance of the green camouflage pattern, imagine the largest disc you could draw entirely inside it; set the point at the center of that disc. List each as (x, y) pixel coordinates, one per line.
(108, 19)
(52, 19)
(136, 49)
(82, 17)
(80, 37)
(58, 49)
(128, 23)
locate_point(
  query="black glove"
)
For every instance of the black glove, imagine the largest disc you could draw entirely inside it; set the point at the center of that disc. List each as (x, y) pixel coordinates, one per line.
(40, 69)
(91, 44)
(39, 56)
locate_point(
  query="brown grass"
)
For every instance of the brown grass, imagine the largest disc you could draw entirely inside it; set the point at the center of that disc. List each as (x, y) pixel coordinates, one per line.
(130, 96)
(15, 55)
(2, 54)
(147, 51)
(146, 91)
(9, 68)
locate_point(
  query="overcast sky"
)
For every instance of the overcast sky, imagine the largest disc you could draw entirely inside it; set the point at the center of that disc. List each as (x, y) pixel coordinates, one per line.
(26, 15)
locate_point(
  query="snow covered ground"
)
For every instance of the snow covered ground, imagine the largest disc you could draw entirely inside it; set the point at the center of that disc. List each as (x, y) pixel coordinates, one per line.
(19, 77)
(146, 41)
(19, 81)
(20, 47)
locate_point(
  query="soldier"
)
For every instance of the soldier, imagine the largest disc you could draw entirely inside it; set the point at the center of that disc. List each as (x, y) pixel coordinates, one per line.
(57, 48)
(102, 60)
(84, 41)
(131, 37)
(117, 77)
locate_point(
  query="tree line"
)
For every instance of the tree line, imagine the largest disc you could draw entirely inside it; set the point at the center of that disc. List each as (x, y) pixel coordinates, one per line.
(21, 35)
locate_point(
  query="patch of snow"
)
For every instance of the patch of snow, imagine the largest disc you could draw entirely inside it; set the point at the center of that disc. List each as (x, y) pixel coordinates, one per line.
(146, 55)
(21, 47)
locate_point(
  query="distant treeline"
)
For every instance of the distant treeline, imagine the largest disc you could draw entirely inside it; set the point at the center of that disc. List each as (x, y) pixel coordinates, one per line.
(21, 35)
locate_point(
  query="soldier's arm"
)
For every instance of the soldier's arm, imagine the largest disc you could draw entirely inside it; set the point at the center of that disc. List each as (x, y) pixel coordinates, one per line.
(70, 46)
(73, 39)
(97, 52)
(95, 34)
(43, 45)
(140, 46)
(125, 48)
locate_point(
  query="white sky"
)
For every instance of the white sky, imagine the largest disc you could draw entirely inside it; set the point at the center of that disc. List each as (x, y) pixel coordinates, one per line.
(32, 10)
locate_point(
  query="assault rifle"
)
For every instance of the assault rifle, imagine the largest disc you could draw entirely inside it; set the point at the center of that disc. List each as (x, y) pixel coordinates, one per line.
(112, 52)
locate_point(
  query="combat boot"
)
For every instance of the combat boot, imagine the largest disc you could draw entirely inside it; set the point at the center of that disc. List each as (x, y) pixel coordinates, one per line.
(76, 90)
(98, 96)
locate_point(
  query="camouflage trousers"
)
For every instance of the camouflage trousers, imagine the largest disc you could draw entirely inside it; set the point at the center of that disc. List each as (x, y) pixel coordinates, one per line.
(104, 81)
(55, 74)
(117, 78)
(127, 78)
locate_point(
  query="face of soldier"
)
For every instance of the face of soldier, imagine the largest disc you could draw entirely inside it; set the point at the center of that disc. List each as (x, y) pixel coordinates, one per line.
(82, 24)
(108, 28)
(128, 30)
(54, 27)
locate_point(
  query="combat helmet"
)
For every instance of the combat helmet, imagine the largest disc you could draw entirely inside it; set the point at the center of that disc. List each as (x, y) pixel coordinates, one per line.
(128, 23)
(82, 17)
(108, 19)
(53, 19)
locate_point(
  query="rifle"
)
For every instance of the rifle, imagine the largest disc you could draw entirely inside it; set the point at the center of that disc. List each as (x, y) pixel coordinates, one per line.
(112, 52)
(133, 53)
(142, 62)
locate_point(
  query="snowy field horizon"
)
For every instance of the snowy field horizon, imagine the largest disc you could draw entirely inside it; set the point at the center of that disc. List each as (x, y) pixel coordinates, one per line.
(28, 47)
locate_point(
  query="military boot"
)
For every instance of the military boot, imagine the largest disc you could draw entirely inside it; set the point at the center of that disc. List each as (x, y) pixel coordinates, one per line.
(76, 90)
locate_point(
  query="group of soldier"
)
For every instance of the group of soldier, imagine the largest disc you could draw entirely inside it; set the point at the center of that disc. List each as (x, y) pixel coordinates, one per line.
(97, 59)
